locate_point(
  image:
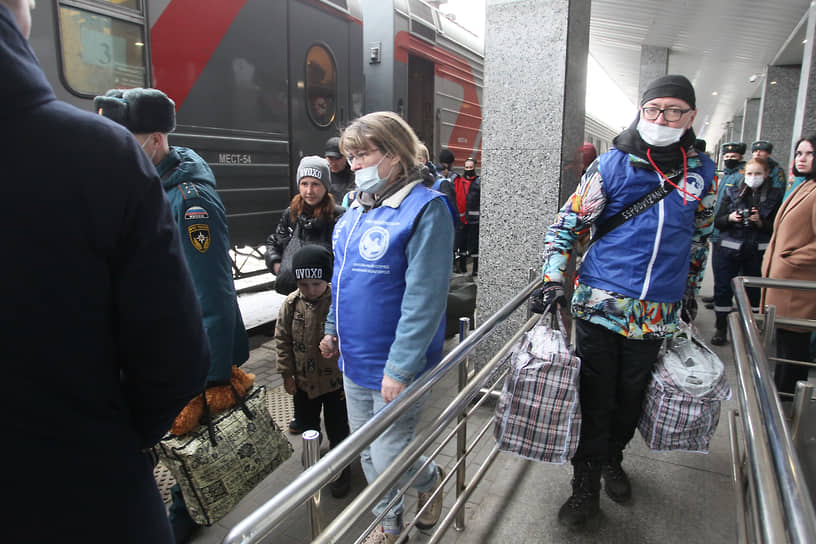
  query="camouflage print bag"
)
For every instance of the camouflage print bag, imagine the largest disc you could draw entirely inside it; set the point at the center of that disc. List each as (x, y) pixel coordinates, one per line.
(217, 465)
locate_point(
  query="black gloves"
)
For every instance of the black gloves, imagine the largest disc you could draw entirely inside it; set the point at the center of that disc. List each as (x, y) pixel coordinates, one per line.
(689, 310)
(550, 296)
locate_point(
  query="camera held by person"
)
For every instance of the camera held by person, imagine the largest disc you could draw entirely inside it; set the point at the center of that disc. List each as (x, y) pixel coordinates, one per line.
(745, 215)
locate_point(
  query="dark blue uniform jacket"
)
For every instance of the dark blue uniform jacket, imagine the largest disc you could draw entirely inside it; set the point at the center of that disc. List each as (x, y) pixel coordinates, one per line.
(101, 342)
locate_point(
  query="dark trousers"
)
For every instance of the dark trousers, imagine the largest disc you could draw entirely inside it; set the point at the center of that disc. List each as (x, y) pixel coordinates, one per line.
(795, 346)
(615, 372)
(729, 263)
(467, 239)
(333, 405)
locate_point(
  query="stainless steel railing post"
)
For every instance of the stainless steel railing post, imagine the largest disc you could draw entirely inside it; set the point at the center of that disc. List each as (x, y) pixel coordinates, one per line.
(311, 455)
(461, 435)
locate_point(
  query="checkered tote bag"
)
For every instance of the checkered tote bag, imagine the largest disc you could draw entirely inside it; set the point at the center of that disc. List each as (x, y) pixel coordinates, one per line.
(539, 416)
(675, 416)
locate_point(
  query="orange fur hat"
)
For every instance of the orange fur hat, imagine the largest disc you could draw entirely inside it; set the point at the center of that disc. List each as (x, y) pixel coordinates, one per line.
(219, 398)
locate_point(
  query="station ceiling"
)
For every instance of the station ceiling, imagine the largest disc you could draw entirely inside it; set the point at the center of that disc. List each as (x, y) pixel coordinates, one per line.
(718, 44)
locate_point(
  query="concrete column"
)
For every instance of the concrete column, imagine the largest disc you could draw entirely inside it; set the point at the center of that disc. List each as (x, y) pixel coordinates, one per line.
(778, 110)
(654, 62)
(805, 118)
(736, 127)
(534, 107)
(729, 131)
(750, 120)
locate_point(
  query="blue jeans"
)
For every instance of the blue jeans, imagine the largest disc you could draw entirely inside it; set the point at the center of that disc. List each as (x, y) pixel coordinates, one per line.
(362, 404)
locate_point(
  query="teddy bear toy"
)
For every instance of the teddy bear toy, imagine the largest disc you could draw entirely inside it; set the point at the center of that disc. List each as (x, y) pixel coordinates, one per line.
(219, 398)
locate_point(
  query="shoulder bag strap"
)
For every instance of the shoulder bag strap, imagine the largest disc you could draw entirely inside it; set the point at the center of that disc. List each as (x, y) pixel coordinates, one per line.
(638, 207)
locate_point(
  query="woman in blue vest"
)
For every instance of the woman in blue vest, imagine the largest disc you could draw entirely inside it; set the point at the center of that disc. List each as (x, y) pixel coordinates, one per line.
(392, 263)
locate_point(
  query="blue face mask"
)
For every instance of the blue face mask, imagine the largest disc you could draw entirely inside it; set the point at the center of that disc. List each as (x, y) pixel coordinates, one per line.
(368, 179)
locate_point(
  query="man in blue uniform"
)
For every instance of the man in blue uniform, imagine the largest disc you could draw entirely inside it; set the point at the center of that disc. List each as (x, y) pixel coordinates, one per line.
(102, 340)
(641, 270)
(732, 177)
(762, 149)
(189, 185)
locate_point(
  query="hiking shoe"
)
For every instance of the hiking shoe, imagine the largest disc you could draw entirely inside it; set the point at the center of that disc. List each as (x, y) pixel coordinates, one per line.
(707, 299)
(379, 536)
(616, 482)
(719, 338)
(339, 487)
(584, 503)
(430, 516)
(709, 305)
(579, 508)
(296, 427)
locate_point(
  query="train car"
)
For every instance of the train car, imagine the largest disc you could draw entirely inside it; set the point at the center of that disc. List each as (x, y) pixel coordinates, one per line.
(429, 69)
(257, 83)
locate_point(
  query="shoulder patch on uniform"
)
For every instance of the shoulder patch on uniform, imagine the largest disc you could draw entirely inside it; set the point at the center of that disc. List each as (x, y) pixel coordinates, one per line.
(188, 190)
(199, 237)
(194, 213)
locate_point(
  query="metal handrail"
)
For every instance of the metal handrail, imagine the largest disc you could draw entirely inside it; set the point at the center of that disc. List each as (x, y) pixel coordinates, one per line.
(277, 509)
(778, 487)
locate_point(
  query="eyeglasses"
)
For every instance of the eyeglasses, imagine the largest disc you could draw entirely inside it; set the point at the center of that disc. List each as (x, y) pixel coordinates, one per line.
(669, 114)
(360, 156)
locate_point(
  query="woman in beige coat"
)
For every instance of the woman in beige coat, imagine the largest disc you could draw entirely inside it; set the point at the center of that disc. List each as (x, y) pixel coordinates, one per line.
(791, 255)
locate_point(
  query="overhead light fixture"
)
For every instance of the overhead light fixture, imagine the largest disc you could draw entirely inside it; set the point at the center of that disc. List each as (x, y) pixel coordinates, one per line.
(753, 78)
(708, 122)
(773, 82)
(804, 41)
(714, 93)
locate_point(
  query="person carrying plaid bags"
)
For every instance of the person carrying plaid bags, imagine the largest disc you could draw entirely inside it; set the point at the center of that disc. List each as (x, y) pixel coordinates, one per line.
(635, 279)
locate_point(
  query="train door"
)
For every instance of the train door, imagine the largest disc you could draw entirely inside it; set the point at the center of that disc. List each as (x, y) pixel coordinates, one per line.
(319, 72)
(420, 113)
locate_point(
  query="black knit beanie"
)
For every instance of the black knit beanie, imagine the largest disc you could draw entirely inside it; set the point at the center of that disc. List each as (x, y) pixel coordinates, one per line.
(313, 262)
(673, 85)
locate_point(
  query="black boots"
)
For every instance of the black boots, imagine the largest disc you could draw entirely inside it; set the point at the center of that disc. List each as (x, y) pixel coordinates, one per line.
(720, 337)
(461, 264)
(340, 487)
(616, 482)
(584, 503)
(475, 271)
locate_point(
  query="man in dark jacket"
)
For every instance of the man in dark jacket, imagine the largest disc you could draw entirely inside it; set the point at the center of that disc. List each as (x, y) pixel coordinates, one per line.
(102, 339)
(468, 196)
(762, 149)
(342, 179)
(201, 221)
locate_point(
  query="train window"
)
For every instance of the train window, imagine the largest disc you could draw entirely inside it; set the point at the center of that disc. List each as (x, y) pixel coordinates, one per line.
(101, 52)
(321, 85)
(132, 4)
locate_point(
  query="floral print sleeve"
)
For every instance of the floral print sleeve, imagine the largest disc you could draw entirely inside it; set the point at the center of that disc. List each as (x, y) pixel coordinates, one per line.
(573, 223)
(703, 227)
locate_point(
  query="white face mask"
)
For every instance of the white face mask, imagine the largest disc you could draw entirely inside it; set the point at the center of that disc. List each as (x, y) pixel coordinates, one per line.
(753, 181)
(658, 135)
(368, 179)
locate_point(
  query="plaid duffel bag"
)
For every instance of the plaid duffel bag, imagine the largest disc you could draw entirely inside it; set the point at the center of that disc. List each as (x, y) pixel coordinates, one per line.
(539, 416)
(673, 419)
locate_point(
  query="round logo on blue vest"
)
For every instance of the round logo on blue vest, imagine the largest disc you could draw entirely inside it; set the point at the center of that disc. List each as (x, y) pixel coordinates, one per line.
(694, 184)
(374, 243)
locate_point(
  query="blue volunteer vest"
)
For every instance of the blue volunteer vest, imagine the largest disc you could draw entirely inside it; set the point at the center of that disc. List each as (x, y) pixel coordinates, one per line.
(368, 284)
(647, 257)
